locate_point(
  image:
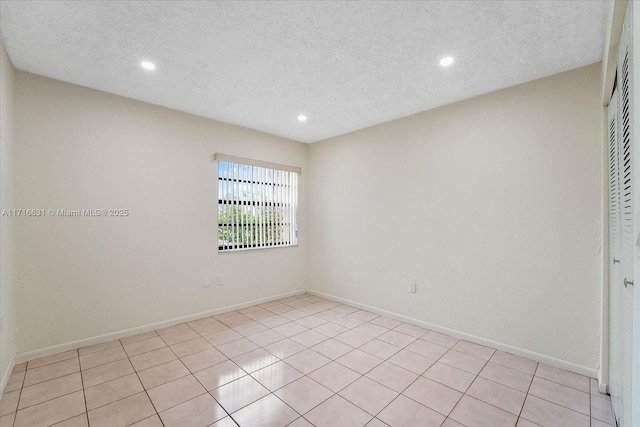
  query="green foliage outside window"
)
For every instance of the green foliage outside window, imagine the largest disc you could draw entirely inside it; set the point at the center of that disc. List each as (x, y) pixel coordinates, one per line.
(242, 225)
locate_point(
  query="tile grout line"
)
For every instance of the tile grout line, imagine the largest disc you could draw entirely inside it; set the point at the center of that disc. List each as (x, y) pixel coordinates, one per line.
(15, 418)
(192, 374)
(307, 375)
(180, 360)
(527, 394)
(310, 348)
(77, 355)
(141, 383)
(469, 386)
(562, 406)
(270, 392)
(22, 387)
(361, 375)
(412, 382)
(273, 392)
(84, 396)
(326, 338)
(239, 367)
(128, 358)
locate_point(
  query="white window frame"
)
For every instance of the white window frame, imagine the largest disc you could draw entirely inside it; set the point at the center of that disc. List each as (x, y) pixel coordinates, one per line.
(257, 204)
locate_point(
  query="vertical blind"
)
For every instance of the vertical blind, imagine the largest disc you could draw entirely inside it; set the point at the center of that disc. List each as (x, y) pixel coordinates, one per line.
(257, 204)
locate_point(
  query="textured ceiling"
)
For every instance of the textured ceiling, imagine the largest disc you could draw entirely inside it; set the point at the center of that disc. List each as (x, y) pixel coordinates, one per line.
(346, 65)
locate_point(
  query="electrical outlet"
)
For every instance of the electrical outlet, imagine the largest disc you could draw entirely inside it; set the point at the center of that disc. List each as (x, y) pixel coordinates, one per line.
(412, 287)
(220, 279)
(205, 282)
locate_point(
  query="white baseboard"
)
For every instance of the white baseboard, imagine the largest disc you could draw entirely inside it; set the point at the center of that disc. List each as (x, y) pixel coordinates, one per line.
(30, 355)
(7, 373)
(603, 387)
(558, 363)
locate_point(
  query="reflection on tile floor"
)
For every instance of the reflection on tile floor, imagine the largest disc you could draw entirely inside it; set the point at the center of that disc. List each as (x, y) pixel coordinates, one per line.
(298, 361)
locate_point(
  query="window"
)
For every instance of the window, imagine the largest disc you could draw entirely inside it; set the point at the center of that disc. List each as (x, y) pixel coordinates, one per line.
(257, 204)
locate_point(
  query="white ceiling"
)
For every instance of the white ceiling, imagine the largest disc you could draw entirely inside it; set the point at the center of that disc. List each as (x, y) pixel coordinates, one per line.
(346, 65)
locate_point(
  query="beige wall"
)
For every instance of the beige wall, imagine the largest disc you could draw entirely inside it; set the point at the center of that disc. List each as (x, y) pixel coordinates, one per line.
(7, 308)
(492, 205)
(84, 277)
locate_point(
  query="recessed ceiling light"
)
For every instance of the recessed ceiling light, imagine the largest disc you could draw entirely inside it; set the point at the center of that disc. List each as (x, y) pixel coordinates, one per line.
(148, 65)
(446, 61)
(302, 118)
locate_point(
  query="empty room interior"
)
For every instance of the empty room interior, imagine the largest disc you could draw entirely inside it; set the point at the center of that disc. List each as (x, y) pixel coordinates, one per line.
(319, 213)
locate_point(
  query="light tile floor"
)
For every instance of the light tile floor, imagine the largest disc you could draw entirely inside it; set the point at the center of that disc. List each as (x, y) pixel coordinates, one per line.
(298, 361)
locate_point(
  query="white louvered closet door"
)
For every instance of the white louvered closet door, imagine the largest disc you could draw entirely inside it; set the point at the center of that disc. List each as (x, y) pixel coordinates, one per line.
(615, 291)
(621, 286)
